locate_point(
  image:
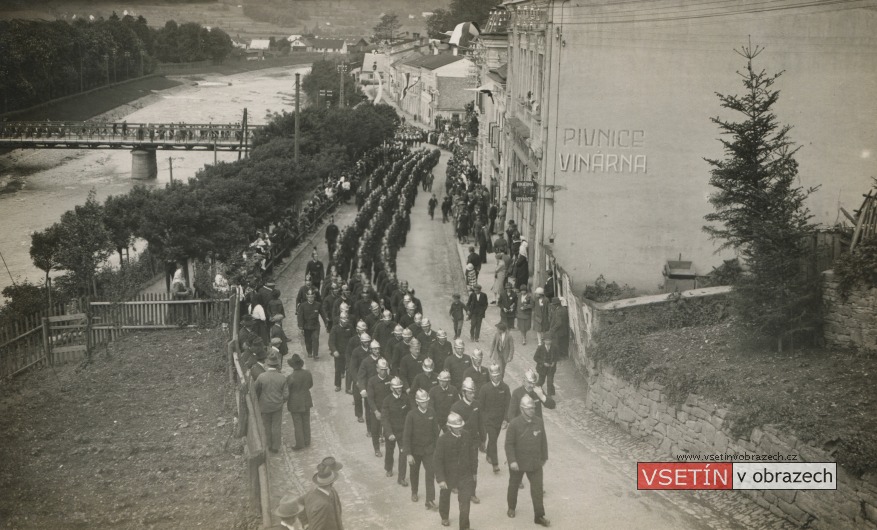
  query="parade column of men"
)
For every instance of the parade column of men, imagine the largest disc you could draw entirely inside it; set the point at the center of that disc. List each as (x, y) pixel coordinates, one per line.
(392, 378)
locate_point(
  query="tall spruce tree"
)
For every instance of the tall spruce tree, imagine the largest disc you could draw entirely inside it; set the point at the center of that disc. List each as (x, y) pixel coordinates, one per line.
(760, 211)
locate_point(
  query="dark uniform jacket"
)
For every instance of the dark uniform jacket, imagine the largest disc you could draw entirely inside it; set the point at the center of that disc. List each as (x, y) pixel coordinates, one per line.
(515, 403)
(477, 305)
(493, 402)
(368, 368)
(339, 337)
(336, 309)
(426, 341)
(421, 432)
(302, 295)
(315, 269)
(300, 383)
(357, 356)
(423, 380)
(442, 400)
(383, 333)
(438, 352)
(471, 415)
(457, 367)
(406, 319)
(393, 415)
(309, 315)
(400, 351)
(526, 443)
(455, 458)
(378, 390)
(409, 367)
(543, 356)
(479, 375)
(323, 511)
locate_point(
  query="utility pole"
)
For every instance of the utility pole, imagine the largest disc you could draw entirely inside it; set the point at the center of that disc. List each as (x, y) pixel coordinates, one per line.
(297, 111)
(170, 165)
(342, 69)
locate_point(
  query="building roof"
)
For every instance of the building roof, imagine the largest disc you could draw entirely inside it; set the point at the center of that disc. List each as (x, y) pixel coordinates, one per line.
(431, 62)
(329, 44)
(499, 74)
(260, 44)
(452, 93)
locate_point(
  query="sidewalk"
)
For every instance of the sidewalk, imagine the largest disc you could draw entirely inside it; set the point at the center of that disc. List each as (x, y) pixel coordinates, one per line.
(598, 436)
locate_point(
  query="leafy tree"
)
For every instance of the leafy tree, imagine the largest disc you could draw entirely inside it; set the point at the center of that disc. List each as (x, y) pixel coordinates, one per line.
(44, 249)
(387, 28)
(438, 23)
(324, 76)
(219, 45)
(122, 216)
(85, 241)
(760, 211)
(23, 299)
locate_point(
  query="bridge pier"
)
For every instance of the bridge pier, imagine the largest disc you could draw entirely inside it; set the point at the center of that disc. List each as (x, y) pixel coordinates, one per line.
(144, 164)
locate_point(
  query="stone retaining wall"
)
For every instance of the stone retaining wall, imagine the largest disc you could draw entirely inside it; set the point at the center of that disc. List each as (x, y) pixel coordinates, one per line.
(849, 323)
(701, 426)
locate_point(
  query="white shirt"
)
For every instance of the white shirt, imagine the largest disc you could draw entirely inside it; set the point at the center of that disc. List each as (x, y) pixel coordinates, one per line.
(257, 312)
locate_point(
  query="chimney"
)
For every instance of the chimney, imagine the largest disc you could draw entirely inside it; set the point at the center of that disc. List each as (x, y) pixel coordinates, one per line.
(455, 51)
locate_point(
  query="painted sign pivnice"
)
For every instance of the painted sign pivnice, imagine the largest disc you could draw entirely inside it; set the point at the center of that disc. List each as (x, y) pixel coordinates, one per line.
(523, 191)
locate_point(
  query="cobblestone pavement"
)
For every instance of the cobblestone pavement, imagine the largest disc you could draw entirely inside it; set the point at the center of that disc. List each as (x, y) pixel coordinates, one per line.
(590, 477)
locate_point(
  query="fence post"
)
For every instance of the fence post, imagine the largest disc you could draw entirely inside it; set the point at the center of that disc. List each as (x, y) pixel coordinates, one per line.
(47, 344)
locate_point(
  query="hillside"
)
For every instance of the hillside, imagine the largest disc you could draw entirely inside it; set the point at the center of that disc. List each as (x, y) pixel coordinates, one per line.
(245, 19)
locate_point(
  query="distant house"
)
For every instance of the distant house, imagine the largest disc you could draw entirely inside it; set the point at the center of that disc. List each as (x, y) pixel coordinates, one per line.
(258, 48)
(318, 45)
(297, 43)
(454, 93)
(355, 45)
(427, 86)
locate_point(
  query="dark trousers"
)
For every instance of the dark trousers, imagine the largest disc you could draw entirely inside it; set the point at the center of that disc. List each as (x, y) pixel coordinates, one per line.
(301, 421)
(375, 428)
(548, 375)
(492, 437)
(312, 341)
(426, 460)
(357, 403)
(331, 245)
(458, 328)
(367, 412)
(389, 457)
(465, 490)
(349, 375)
(340, 365)
(536, 491)
(475, 327)
(272, 422)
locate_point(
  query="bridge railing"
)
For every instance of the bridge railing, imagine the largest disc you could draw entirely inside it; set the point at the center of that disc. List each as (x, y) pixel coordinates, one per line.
(181, 133)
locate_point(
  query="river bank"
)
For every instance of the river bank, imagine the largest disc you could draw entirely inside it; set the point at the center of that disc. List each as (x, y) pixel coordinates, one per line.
(53, 181)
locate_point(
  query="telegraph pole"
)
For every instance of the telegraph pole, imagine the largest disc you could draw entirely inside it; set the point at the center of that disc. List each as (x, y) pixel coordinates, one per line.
(297, 110)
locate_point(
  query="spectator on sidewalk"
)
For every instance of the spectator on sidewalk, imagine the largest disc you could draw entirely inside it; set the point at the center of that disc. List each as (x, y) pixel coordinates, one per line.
(272, 392)
(300, 402)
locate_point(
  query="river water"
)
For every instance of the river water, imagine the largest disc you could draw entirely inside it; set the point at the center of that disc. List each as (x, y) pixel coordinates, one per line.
(58, 180)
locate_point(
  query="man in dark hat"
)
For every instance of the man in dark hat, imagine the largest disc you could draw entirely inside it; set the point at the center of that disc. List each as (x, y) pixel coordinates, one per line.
(300, 402)
(477, 306)
(322, 504)
(272, 392)
(291, 510)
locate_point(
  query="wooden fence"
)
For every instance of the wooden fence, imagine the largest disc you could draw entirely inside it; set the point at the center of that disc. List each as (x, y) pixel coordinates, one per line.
(23, 342)
(154, 311)
(248, 410)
